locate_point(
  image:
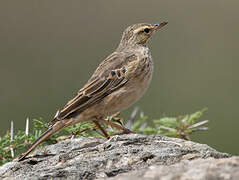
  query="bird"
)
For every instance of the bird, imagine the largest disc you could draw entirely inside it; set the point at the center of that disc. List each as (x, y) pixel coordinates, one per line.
(120, 80)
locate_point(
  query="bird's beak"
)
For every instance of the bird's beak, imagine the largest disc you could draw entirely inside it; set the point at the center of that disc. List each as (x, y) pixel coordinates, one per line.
(158, 26)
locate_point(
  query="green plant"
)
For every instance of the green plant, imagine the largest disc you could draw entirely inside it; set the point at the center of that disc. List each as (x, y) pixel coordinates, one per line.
(181, 127)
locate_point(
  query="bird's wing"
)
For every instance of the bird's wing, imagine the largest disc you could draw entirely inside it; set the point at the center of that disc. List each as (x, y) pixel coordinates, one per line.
(108, 77)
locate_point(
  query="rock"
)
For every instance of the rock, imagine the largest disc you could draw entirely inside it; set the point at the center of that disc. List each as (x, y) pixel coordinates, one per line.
(198, 169)
(131, 157)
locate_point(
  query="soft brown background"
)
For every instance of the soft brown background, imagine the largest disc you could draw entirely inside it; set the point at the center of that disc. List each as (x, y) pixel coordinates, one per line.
(49, 48)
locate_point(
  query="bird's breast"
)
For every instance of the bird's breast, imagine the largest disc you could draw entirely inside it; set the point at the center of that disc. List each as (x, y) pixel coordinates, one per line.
(138, 82)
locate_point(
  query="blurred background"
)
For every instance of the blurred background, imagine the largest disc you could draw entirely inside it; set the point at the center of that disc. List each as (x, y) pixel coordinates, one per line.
(48, 50)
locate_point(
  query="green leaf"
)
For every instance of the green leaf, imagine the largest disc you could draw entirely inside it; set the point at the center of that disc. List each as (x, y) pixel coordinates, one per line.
(166, 121)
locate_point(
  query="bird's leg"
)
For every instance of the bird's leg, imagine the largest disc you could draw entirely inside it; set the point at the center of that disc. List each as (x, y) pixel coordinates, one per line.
(125, 130)
(102, 129)
(81, 131)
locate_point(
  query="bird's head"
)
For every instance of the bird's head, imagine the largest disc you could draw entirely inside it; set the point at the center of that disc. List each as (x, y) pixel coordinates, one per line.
(138, 34)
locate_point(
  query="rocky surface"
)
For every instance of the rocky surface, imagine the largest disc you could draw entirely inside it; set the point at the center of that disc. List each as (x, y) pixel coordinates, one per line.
(198, 169)
(124, 157)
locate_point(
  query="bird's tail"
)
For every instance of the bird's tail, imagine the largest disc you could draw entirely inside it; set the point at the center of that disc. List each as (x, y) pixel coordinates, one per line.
(56, 127)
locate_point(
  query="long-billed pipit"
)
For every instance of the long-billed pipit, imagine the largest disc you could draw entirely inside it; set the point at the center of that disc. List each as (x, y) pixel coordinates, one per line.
(119, 81)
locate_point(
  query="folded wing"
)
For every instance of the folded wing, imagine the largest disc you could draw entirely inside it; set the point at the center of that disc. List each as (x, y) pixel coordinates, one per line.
(92, 93)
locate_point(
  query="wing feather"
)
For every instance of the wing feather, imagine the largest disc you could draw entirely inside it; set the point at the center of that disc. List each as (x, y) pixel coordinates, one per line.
(90, 96)
(101, 84)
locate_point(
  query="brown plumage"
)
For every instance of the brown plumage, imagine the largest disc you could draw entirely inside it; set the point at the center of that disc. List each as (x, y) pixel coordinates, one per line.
(120, 80)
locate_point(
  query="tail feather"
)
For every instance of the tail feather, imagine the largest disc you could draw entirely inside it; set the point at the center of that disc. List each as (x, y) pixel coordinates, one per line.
(43, 137)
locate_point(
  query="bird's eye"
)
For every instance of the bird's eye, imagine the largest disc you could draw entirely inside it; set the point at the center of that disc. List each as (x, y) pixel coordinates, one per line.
(146, 30)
